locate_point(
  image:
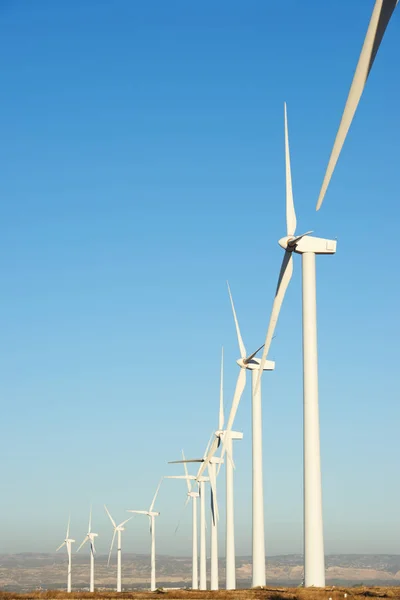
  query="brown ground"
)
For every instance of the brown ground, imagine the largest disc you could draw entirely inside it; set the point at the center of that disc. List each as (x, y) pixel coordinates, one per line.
(330, 593)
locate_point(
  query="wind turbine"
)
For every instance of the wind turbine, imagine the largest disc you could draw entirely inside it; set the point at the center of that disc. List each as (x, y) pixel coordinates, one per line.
(191, 495)
(380, 18)
(118, 529)
(152, 515)
(308, 247)
(202, 480)
(68, 544)
(252, 364)
(90, 538)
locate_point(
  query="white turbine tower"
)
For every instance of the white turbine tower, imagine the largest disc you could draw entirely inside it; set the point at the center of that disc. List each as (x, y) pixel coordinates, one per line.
(68, 544)
(118, 529)
(228, 437)
(308, 247)
(90, 538)
(152, 515)
(193, 496)
(380, 18)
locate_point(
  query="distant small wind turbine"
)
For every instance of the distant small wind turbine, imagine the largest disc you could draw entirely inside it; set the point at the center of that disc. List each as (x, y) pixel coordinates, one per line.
(380, 18)
(212, 478)
(118, 529)
(68, 543)
(193, 496)
(90, 538)
(151, 514)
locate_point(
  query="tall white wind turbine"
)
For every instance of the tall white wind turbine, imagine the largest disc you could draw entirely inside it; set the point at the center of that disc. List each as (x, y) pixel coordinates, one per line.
(192, 495)
(380, 18)
(90, 538)
(252, 364)
(308, 247)
(68, 544)
(152, 515)
(118, 529)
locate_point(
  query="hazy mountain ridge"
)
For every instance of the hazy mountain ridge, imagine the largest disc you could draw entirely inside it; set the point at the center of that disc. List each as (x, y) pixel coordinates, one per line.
(27, 571)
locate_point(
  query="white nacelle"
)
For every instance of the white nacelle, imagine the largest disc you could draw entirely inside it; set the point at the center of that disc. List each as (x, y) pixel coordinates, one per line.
(235, 435)
(309, 243)
(216, 460)
(254, 364)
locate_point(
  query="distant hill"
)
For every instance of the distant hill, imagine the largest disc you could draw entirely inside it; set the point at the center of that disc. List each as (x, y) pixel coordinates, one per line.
(28, 571)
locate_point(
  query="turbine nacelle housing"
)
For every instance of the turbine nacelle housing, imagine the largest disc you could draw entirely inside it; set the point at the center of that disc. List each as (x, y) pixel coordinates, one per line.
(254, 364)
(234, 435)
(193, 494)
(309, 243)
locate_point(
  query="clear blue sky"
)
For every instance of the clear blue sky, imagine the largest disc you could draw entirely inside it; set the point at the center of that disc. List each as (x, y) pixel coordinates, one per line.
(142, 165)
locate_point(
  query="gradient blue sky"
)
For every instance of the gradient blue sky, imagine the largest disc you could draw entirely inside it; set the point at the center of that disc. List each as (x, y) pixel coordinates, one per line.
(142, 165)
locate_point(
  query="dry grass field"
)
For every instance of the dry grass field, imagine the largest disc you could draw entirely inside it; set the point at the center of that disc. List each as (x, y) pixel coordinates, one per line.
(334, 593)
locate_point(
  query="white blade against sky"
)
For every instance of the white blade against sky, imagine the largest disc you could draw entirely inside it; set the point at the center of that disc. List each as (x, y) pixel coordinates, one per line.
(381, 15)
(111, 547)
(139, 512)
(286, 271)
(188, 482)
(221, 417)
(83, 543)
(110, 517)
(242, 348)
(155, 495)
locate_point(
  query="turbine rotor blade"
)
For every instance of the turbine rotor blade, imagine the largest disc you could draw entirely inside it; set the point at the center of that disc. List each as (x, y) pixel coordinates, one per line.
(187, 460)
(59, 547)
(208, 446)
(240, 385)
(292, 243)
(155, 495)
(239, 336)
(181, 515)
(250, 358)
(124, 522)
(380, 18)
(221, 416)
(225, 449)
(84, 542)
(291, 220)
(188, 483)
(110, 517)
(111, 547)
(69, 522)
(285, 276)
(90, 520)
(139, 512)
(210, 454)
